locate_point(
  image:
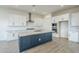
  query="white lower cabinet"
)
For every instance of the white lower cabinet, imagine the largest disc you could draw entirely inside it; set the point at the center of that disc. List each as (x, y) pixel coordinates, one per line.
(12, 36)
(74, 36)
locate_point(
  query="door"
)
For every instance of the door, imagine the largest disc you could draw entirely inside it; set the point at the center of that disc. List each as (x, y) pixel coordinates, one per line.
(63, 29)
(24, 43)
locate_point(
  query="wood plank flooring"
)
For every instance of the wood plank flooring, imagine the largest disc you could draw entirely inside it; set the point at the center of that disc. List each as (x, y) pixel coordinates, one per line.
(58, 45)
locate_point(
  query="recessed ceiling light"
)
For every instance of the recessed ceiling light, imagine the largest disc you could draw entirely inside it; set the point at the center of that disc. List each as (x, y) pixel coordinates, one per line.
(62, 5)
(16, 5)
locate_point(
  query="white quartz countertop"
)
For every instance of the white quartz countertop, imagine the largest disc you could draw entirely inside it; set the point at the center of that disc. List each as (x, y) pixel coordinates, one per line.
(26, 33)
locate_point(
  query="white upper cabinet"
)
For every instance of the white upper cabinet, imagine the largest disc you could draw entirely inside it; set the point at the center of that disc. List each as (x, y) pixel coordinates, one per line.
(74, 19)
(64, 17)
(55, 19)
(17, 20)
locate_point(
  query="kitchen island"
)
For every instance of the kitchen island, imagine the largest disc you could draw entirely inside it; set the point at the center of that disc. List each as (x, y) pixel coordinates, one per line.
(31, 39)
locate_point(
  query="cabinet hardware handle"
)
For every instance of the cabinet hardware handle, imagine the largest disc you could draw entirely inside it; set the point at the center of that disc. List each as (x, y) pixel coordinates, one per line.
(39, 39)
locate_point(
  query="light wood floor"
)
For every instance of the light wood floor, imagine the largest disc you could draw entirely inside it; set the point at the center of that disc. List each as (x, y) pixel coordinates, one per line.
(58, 45)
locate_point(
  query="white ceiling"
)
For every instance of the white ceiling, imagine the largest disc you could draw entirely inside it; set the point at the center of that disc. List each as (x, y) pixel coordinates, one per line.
(39, 9)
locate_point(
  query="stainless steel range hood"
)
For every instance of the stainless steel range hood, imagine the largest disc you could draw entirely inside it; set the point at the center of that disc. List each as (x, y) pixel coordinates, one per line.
(30, 18)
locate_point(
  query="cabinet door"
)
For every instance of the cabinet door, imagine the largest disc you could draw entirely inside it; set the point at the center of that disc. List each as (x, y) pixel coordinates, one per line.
(34, 40)
(20, 21)
(25, 43)
(45, 37)
(55, 19)
(48, 36)
(17, 20)
(38, 39)
(12, 36)
(74, 36)
(75, 19)
(11, 21)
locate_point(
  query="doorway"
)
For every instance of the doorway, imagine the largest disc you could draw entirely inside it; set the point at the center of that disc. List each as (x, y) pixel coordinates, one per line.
(63, 29)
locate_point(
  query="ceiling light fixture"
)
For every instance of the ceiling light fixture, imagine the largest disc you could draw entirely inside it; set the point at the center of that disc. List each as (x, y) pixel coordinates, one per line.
(62, 5)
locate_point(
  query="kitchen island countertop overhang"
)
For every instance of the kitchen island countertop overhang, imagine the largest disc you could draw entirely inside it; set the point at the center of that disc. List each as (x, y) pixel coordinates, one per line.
(27, 33)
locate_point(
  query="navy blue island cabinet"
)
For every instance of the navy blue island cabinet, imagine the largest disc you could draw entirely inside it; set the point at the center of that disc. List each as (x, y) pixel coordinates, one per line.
(29, 41)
